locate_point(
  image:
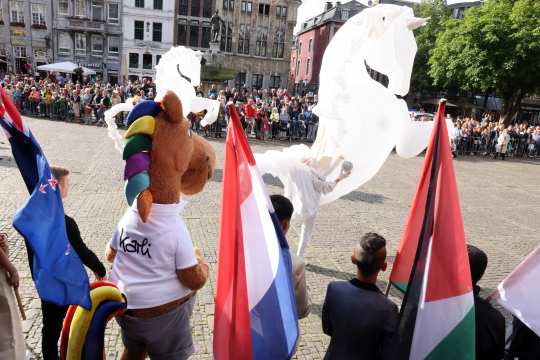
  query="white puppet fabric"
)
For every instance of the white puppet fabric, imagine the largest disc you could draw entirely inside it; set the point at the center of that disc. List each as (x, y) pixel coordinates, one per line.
(178, 70)
(360, 120)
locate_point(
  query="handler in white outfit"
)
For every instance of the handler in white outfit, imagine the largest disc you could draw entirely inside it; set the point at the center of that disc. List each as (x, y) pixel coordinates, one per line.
(310, 185)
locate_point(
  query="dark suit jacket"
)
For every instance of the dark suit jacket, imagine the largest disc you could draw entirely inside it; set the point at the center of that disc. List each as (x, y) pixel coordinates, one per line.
(360, 320)
(490, 329)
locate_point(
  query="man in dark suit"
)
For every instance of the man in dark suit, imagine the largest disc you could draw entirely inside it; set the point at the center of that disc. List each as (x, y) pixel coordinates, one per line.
(359, 318)
(490, 325)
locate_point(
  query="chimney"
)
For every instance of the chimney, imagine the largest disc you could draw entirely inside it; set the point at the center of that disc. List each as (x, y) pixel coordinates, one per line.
(328, 6)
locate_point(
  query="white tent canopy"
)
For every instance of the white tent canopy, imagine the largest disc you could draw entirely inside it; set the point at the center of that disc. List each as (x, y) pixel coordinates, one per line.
(65, 67)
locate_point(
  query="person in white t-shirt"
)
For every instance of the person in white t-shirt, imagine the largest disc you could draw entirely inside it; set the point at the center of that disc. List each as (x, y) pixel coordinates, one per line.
(156, 266)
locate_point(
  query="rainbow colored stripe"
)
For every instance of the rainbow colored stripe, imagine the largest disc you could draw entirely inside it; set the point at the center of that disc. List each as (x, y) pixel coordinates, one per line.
(83, 333)
(141, 124)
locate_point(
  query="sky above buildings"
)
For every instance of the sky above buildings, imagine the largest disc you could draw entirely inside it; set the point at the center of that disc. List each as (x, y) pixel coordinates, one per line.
(310, 8)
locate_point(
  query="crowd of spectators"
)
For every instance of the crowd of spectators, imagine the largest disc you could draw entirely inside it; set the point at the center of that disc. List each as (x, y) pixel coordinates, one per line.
(266, 114)
(489, 137)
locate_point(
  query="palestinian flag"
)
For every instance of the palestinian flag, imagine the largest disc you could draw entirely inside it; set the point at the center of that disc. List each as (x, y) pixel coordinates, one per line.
(432, 264)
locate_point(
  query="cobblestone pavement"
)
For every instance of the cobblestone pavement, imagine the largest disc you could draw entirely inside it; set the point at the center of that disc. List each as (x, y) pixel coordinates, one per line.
(500, 205)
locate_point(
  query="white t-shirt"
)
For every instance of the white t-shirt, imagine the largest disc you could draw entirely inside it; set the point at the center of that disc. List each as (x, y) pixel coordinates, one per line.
(148, 255)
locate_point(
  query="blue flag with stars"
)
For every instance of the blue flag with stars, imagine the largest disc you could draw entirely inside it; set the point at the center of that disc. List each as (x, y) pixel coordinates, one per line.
(57, 271)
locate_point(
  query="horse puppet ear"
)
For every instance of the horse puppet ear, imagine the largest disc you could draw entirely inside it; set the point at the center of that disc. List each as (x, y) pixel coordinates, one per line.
(144, 204)
(172, 106)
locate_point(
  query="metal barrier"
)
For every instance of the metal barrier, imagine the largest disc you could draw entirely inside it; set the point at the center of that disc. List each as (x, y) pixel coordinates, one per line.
(518, 147)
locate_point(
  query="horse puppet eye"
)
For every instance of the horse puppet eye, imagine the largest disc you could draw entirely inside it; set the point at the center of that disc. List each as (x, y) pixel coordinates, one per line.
(383, 18)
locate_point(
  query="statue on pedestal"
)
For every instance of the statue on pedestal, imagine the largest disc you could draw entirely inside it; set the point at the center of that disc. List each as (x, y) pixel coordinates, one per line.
(216, 23)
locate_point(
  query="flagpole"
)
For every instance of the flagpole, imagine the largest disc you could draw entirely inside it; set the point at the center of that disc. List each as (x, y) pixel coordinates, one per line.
(19, 303)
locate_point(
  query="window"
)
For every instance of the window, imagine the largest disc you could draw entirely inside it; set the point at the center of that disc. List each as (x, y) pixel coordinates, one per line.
(226, 38)
(80, 44)
(194, 34)
(264, 9)
(344, 14)
(183, 10)
(195, 7)
(240, 80)
(182, 34)
(65, 44)
(158, 57)
(260, 45)
(80, 8)
(63, 7)
(297, 68)
(139, 3)
(158, 4)
(133, 60)
(157, 29)
(228, 5)
(147, 61)
(207, 8)
(20, 51)
(279, 44)
(139, 30)
(310, 44)
(246, 6)
(114, 44)
(308, 63)
(275, 81)
(38, 15)
(299, 49)
(281, 11)
(113, 14)
(256, 81)
(97, 43)
(243, 39)
(205, 37)
(97, 11)
(16, 12)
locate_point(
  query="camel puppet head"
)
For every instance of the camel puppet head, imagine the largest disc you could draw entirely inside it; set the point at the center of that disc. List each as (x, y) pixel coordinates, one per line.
(163, 157)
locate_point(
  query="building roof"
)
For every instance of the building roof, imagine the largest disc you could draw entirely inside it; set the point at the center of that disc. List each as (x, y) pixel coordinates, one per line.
(334, 14)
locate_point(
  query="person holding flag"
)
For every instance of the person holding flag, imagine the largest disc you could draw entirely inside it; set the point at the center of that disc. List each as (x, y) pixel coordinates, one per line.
(57, 270)
(11, 336)
(437, 319)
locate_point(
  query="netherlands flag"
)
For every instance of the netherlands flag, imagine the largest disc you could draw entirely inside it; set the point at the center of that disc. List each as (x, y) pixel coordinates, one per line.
(255, 311)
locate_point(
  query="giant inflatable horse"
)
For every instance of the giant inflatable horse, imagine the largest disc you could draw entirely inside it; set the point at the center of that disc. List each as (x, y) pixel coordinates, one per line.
(360, 120)
(178, 70)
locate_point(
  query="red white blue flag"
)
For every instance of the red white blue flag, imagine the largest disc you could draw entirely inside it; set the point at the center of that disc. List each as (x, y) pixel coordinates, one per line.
(57, 270)
(255, 311)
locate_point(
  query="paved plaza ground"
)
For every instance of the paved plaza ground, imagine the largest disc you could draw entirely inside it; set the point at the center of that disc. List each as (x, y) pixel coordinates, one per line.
(500, 205)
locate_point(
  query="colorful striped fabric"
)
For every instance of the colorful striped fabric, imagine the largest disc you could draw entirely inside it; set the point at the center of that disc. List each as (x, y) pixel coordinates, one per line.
(141, 125)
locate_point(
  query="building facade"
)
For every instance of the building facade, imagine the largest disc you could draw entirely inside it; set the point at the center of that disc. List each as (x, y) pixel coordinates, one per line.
(88, 33)
(193, 23)
(148, 32)
(25, 35)
(256, 40)
(313, 38)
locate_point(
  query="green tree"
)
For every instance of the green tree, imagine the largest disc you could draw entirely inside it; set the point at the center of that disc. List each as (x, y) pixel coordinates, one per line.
(438, 13)
(494, 49)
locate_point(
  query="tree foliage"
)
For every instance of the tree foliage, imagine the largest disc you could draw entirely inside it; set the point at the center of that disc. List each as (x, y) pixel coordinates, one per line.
(438, 13)
(495, 48)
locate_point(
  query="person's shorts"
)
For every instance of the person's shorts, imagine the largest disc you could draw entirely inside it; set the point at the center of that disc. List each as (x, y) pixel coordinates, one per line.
(163, 337)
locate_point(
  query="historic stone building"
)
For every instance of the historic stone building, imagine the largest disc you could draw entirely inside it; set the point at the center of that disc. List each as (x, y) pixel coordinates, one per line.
(89, 33)
(148, 32)
(256, 40)
(25, 35)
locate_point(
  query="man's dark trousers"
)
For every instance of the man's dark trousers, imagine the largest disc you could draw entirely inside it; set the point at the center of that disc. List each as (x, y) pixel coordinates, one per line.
(53, 318)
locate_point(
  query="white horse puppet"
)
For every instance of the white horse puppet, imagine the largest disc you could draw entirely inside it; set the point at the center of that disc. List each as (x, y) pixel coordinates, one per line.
(360, 120)
(178, 70)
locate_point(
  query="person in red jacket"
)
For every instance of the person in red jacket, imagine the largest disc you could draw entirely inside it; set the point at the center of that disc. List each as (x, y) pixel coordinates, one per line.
(250, 111)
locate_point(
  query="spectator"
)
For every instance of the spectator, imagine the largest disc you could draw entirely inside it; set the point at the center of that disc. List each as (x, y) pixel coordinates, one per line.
(213, 91)
(250, 112)
(524, 343)
(490, 325)
(360, 320)
(284, 210)
(502, 144)
(53, 315)
(11, 336)
(274, 121)
(76, 105)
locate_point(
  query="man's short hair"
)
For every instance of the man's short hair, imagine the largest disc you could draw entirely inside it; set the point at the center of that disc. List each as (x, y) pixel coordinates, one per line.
(368, 260)
(59, 172)
(478, 261)
(283, 207)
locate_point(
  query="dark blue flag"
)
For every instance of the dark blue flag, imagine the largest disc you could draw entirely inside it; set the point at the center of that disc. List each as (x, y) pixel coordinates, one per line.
(57, 271)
